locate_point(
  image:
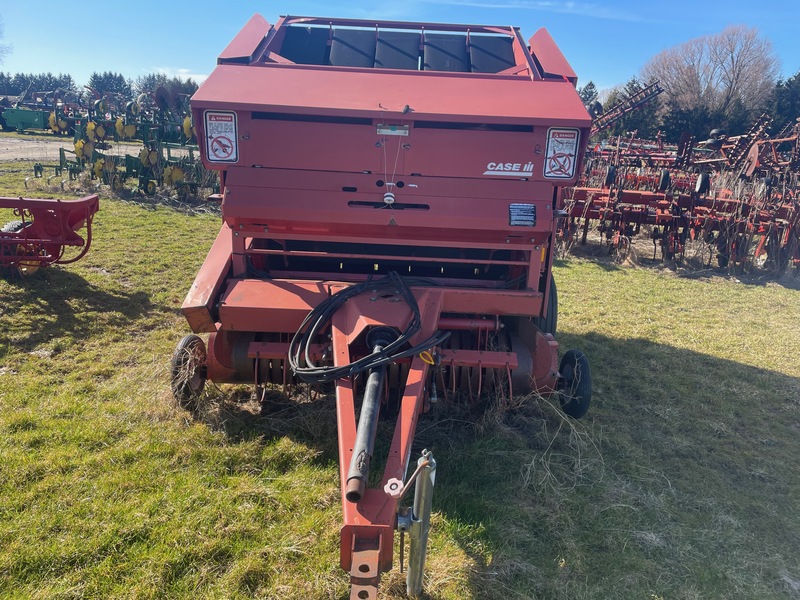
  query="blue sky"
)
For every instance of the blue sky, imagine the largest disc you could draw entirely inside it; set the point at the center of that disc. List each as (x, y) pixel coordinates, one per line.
(606, 42)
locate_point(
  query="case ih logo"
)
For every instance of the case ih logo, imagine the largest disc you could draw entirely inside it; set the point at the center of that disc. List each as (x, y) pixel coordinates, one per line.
(509, 169)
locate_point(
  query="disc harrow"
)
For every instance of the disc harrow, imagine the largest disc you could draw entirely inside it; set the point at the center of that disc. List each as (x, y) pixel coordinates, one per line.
(733, 199)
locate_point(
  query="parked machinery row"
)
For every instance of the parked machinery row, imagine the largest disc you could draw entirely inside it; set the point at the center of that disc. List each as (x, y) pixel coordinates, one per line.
(161, 122)
(733, 200)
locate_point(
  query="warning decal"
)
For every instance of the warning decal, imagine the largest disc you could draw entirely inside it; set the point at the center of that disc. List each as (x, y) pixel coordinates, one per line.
(221, 136)
(562, 153)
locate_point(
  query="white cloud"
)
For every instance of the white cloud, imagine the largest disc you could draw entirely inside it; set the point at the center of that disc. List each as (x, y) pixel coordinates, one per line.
(178, 72)
(583, 9)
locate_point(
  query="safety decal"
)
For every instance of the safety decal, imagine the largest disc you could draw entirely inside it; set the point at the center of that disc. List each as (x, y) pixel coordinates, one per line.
(221, 136)
(522, 215)
(562, 153)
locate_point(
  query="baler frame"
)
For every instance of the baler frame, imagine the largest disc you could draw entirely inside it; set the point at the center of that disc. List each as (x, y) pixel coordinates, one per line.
(408, 254)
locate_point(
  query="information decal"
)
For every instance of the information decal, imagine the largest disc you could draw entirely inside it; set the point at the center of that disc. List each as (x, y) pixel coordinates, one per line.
(562, 153)
(522, 215)
(221, 136)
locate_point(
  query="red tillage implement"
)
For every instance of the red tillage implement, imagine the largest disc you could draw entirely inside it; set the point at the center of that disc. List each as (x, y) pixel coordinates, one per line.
(388, 206)
(41, 230)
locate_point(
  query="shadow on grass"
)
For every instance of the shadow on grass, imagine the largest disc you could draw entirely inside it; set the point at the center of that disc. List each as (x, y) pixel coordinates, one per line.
(681, 454)
(54, 302)
(687, 268)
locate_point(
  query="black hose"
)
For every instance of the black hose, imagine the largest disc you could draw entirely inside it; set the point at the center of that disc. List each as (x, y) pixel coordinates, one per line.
(315, 322)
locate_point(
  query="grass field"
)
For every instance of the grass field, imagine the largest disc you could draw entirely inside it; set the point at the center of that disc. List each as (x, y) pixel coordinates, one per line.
(683, 482)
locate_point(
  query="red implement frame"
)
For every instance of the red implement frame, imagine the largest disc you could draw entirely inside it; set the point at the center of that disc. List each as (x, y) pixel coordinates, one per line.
(352, 149)
(42, 229)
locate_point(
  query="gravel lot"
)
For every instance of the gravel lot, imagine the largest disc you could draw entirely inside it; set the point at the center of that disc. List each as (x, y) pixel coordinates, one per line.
(44, 148)
(31, 147)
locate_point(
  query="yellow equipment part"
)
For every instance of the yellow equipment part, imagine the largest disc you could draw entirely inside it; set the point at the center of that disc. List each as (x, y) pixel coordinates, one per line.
(148, 158)
(119, 127)
(51, 120)
(100, 132)
(177, 175)
(97, 168)
(79, 148)
(173, 174)
(26, 267)
(187, 127)
(130, 130)
(152, 158)
(90, 127)
(151, 187)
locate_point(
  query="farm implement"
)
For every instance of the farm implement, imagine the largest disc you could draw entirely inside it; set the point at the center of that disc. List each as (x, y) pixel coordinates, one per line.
(41, 231)
(733, 198)
(160, 122)
(388, 228)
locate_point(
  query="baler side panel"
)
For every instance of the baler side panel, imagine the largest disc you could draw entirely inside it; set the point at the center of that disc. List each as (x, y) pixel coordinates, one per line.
(198, 307)
(548, 55)
(244, 47)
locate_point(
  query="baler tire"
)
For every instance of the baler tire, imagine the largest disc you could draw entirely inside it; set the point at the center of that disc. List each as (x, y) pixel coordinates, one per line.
(549, 323)
(188, 371)
(575, 386)
(11, 227)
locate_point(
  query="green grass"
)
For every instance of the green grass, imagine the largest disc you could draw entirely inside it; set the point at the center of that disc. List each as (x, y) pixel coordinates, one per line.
(682, 482)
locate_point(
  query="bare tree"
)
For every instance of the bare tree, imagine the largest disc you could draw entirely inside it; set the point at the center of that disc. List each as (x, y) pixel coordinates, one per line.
(717, 73)
(4, 49)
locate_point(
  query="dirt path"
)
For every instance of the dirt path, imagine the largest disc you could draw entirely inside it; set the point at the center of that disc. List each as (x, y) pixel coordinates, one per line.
(31, 147)
(37, 147)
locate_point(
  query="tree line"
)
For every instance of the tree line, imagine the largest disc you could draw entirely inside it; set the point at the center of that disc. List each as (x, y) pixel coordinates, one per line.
(722, 81)
(99, 85)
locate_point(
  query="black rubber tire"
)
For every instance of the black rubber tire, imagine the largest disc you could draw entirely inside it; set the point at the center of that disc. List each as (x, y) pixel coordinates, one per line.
(549, 323)
(703, 184)
(575, 385)
(188, 371)
(664, 181)
(611, 175)
(11, 227)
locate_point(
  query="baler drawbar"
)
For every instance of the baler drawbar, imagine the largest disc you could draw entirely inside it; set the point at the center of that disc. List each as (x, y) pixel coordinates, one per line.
(388, 204)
